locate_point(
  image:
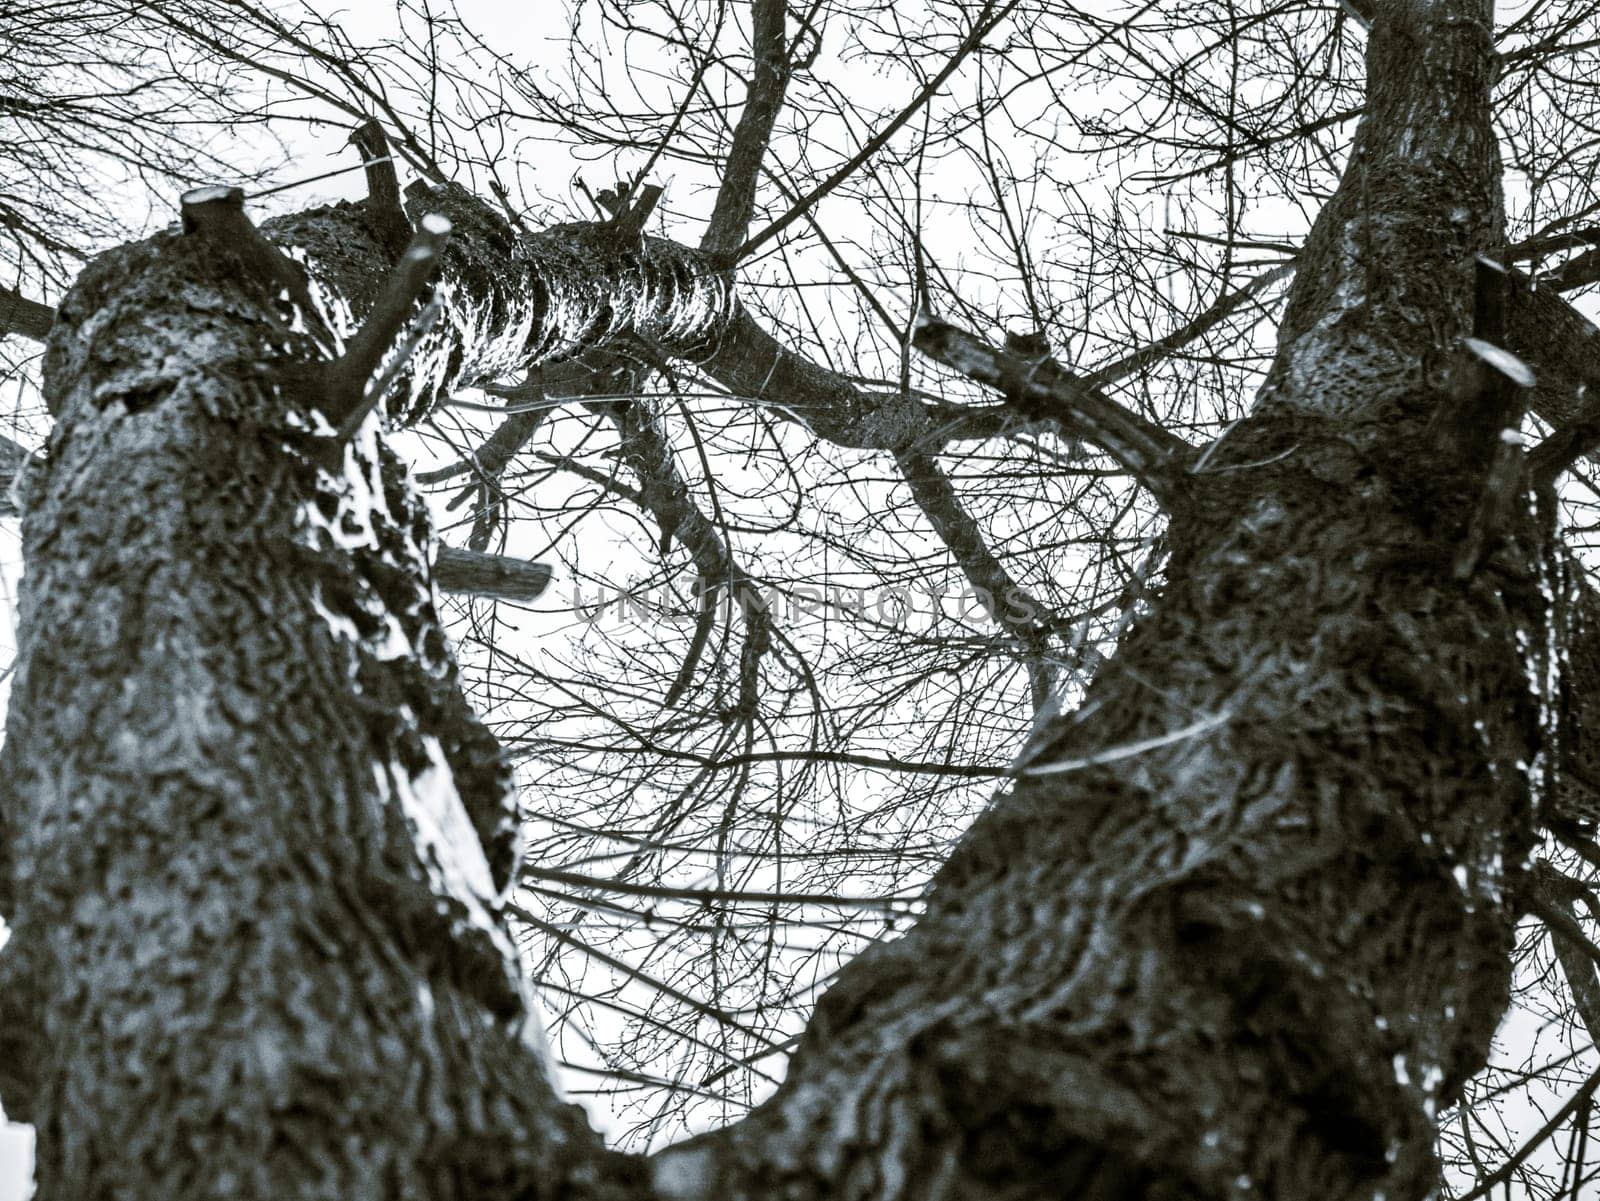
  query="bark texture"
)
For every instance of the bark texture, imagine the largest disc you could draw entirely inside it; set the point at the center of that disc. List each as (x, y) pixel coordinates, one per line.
(1384, 288)
(257, 844)
(1238, 930)
(1243, 924)
(13, 461)
(457, 570)
(20, 315)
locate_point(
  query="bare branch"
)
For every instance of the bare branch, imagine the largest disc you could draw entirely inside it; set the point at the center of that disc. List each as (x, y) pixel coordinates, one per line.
(19, 315)
(352, 391)
(457, 570)
(1040, 388)
(736, 198)
(705, 895)
(1009, 604)
(665, 492)
(383, 183)
(987, 20)
(1577, 272)
(1359, 11)
(1563, 347)
(1221, 310)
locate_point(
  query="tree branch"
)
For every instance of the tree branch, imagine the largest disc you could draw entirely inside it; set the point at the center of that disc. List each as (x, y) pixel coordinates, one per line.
(1219, 311)
(1008, 603)
(12, 459)
(988, 18)
(665, 492)
(352, 390)
(755, 366)
(383, 184)
(736, 198)
(1563, 348)
(1041, 388)
(1553, 895)
(457, 570)
(19, 315)
(1577, 272)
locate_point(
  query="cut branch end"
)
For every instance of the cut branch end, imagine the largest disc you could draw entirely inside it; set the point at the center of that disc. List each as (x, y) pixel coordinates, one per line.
(465, 571)
(213, 207)
(1502, 361)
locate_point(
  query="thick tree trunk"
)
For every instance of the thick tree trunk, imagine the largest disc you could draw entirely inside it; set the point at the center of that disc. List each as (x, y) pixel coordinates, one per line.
(1239, 928)
(259, 844)
(1245, 921)
(1243, 925)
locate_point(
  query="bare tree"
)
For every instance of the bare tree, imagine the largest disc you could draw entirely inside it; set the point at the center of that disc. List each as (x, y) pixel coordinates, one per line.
(1285, 689)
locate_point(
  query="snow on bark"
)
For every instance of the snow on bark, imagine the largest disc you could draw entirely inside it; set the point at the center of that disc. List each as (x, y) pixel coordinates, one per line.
(446, 843)
(1251, 961)
(258, 841)
(512, 302)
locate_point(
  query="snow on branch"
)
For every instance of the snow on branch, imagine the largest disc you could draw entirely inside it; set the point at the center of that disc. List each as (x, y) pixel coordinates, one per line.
(353, 384)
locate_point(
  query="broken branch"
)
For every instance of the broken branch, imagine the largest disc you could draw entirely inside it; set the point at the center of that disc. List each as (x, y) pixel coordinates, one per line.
(1041, 388)
(352, 392)
(13, 458)
(19, 315)
(629, 214)
(457, 570)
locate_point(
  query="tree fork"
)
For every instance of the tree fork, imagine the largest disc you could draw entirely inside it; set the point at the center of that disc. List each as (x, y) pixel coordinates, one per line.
(1249, 960)
(1254, 930)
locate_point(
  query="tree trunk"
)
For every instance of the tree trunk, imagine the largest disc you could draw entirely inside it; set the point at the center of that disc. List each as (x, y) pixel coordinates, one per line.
(259, 843)
(1239, 928)
(1243, 924)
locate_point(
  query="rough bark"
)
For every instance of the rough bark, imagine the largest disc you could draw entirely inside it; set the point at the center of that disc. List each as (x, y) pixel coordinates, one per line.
(456, 570)
(1384, 288)
(1576, 801)
(1250, 960)
(19, 315)
(1239, 928)
(257, 844)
